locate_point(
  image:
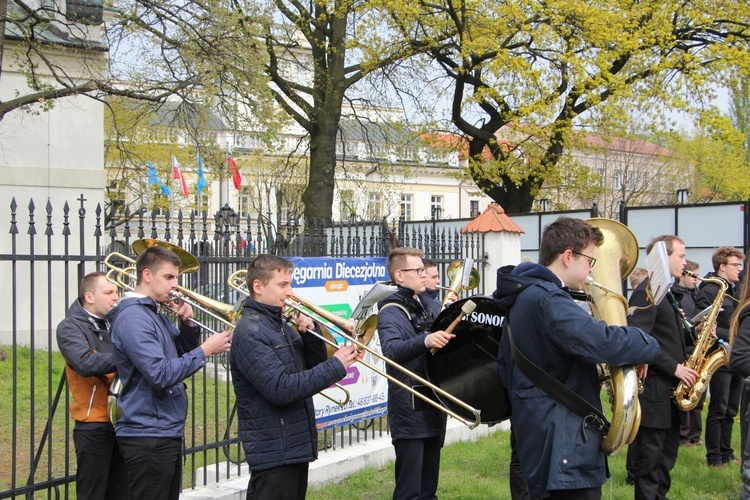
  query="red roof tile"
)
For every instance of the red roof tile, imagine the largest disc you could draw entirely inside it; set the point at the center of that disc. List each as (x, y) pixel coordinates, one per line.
(493, 219)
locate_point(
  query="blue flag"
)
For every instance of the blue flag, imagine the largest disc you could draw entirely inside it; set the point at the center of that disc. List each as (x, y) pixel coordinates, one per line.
(201, 184)
(153, 180)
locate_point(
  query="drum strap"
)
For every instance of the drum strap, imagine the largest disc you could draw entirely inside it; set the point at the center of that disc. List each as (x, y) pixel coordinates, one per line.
(556, 389)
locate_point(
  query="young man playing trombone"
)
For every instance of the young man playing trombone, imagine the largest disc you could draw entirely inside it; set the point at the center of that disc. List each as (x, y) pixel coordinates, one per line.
(275, 373)
(153, 358)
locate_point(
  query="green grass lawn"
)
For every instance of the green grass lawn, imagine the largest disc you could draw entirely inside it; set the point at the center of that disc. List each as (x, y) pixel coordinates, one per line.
(480, 471)
(469, 470)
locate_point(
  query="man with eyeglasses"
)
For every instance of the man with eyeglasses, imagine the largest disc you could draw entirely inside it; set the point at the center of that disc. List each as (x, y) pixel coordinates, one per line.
(652, 456)
(559, 450)
(417, 429)
(725, 386)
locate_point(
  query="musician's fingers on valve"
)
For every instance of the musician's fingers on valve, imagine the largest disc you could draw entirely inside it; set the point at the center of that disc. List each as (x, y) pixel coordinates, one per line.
(183, 310)
(217, 343)
(642, 370)
(304, 323)
(347, 355)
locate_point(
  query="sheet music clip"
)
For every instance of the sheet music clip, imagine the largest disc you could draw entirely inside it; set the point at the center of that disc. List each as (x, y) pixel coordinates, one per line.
(372, 297)
(660, 279)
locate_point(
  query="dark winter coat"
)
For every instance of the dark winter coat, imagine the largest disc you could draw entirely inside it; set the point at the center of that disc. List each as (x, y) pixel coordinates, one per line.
(557, 450)
(431, 302)
(275, 373)
(664, 324)
(153, 358)
(85, 344)
(403, 340)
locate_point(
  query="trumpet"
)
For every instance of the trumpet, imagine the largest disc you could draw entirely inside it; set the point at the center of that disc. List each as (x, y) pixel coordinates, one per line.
(354, 334)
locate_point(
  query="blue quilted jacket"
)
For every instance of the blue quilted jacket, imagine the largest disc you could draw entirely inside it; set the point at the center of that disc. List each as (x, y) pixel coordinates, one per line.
(275, 373)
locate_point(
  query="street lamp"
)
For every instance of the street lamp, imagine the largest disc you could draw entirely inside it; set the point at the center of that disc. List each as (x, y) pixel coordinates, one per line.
(226, 218)
(682, 196)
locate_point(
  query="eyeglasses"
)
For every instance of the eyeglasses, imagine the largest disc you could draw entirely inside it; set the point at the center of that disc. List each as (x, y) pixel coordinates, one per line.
(592, 260)
(419, 270)
(738, 265)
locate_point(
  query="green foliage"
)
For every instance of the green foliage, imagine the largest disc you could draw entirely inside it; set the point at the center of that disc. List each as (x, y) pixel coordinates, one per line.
(545, 67)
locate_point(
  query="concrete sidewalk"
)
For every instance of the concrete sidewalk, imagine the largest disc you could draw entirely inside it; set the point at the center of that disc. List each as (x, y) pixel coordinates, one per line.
(332, 466)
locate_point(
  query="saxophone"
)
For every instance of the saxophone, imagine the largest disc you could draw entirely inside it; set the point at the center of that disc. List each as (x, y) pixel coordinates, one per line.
(700, 360)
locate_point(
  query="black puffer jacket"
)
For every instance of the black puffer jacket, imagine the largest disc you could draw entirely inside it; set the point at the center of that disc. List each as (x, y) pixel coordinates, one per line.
(275, 373)
(403, 342)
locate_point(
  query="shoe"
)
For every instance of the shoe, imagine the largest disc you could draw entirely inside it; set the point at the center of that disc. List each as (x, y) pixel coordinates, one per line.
(735, 461)
(715, 465)
(700, 442)
(685, 443)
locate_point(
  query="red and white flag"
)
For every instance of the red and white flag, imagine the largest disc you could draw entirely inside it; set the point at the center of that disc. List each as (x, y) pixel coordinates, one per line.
(236, 175)
(177, 174)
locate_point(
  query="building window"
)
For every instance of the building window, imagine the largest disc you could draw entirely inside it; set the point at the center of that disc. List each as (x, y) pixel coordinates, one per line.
(436, 207)
(473, 208)
(346, 204)
(243, 201)
(374, 206)
(406, 206)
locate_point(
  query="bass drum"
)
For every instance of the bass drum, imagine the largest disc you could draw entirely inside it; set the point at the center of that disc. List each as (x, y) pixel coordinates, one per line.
(467, 366)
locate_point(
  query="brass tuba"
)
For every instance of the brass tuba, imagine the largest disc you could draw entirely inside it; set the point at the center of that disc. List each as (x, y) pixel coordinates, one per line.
(700, 360)
(616, 259)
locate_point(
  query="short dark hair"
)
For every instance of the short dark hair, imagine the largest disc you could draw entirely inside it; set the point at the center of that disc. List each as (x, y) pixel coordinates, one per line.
(88, 284)
(690, 265)
(153, 258)
(397, 258)
(429, 263)
(668, 240)
(567, 233)
(262, 267)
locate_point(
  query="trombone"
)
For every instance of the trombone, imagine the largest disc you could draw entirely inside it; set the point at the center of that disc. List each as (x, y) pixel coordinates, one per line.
(350, 331)
(226, 314)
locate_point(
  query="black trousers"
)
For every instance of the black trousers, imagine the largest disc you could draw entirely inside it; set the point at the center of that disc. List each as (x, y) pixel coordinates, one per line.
(518, 488)
(287, 482)
(723, 406)
(417, 468)
(101, 471)
(154, 467)
(691, 425)
(655, 456)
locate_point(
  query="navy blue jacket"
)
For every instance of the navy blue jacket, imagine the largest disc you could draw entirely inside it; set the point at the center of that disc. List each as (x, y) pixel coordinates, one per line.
(153, 358)
(403, 343)
(275, 373)
(431, 302)
(561, 338)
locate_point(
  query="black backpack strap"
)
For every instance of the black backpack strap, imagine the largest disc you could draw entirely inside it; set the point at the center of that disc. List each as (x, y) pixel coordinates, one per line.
(556, 389)
(413, 319)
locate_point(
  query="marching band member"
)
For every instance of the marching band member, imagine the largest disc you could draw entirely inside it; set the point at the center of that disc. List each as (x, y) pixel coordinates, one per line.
(153, 358)
(559, 450)
(658, 438)
(275, 373)
(84, 342)
(404, 329)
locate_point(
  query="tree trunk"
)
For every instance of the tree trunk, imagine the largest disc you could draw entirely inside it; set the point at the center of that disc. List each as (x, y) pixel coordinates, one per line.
(318, 195)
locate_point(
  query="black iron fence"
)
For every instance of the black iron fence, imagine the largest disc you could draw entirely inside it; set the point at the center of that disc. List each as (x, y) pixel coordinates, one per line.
(44, 256)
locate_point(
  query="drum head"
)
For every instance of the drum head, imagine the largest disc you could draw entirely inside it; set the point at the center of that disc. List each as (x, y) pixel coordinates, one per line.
(467, 367)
